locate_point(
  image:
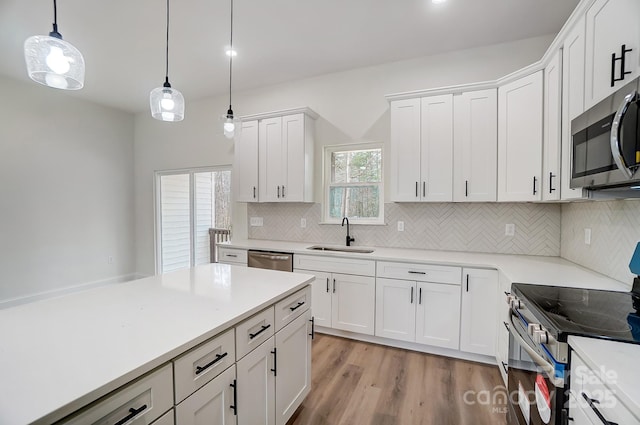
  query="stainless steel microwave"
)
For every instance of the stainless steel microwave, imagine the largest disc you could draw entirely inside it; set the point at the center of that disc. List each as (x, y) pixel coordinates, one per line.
(606, 143)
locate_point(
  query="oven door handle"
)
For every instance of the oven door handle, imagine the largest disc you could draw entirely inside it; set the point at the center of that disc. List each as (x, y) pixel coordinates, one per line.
(548, 368)
(616, 127)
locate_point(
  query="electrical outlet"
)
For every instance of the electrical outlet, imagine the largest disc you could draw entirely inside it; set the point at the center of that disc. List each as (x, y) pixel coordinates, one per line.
(587, 236)
(509, 229)
(303, 222)
(256, 221)
(401, 226)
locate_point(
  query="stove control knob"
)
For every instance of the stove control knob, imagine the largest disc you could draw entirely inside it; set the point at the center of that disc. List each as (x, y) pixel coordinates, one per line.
(533, 327)
(516, 304)
(540, 337)
(509, 299)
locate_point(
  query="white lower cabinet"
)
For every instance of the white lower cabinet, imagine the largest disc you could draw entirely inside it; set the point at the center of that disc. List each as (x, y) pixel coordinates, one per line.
(410, 307)
(478, 315)
(213, 403)
(343, 293)
(257, 385)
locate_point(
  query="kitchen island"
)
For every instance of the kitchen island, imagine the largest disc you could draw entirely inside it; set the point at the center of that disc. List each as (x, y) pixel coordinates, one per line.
(60, 354)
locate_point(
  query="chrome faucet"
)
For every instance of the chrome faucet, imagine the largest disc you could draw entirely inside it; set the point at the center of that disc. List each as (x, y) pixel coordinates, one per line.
(349, 238)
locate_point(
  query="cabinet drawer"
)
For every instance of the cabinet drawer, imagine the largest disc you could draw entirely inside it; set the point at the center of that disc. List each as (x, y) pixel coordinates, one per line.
(292, 306)
(419, 272)
(145, 400)
(166, 419)
(254, 331)
(335, 264)
(203, 363)
(230, 255)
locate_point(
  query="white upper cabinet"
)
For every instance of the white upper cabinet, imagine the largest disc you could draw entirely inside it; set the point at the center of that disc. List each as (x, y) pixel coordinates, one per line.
(552, 129)
(246, 163)
(475, 144)
(272, 159)
(422, 149)
(572, 100)
(520, 139)
(611, 24)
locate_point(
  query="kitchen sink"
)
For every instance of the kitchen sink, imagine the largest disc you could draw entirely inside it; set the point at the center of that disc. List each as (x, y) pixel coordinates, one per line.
(340, 249)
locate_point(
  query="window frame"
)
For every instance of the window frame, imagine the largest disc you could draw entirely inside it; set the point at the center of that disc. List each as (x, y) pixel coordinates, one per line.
(157, 234)
(326, 182)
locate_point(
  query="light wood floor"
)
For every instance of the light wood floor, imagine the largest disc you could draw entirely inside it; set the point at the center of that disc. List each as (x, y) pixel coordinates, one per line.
(360, 383)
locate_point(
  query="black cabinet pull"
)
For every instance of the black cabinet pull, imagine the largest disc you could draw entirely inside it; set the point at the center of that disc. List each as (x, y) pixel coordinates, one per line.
(551, 188)
(231, 255)
(592, 403)
(300, 304)
(506, 325)
(262, 329)
(507, 293)
(414, 272)
(234, 406)
(278, 191)
(412, 295)
(334, 286)
(283, 191)
(132, 414)
(424, 189)
(466, 188)
(416, 189)
(327, 285)
(254, 192)
(313, 328)
(420, 296)
(504, 366)
(275, 362)
(467, 283)
(219, 357)
(622, 60)
(534, 185)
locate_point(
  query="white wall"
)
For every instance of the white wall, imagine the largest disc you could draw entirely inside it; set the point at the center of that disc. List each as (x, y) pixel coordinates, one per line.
(351, 105)
(66, 194)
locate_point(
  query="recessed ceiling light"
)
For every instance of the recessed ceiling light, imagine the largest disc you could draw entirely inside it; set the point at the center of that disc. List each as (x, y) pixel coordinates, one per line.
(437, 1)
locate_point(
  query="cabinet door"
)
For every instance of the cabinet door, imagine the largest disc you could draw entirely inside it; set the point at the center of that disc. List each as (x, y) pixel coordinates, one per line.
(475, 144)
(257, 386)
(272, 159)
(478, 316)
(436, 148)
(353, 303)
(211, 403)
(520, 139)
(245, 167)
(552, 130)
(572, 101)
(293, 378)
(320, 297)
(293, 181)
(396, 309)
(405, 150)
(610, 24)
(438, 315)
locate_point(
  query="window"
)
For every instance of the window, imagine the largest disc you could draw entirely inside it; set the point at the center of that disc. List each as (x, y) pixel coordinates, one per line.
(189, 203)
(353, 183)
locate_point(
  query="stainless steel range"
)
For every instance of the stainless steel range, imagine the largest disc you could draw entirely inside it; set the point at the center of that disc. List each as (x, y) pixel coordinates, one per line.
(542, 318)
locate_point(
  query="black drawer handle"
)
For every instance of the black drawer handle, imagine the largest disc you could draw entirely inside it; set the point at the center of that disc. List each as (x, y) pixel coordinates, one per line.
(504, 366)
(234, 406)
(264, 328)
(275, 362)
(219, 357)
(313, 328)
(592, 403)
(300, 304)
(506, 325)
(132, 414)
(414, 272)
(231, 255)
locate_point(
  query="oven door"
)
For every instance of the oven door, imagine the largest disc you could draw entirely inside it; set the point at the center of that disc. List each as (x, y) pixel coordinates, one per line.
(536, 392)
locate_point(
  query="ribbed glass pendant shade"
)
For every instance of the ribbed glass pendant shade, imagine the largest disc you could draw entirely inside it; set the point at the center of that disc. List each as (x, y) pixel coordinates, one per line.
(54, 62)
(167, 104)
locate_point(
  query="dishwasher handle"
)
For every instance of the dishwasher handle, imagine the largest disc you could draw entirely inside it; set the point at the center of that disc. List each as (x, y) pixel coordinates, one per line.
(272, 257)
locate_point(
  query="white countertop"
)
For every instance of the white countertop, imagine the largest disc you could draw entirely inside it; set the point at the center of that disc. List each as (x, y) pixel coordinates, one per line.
(517, 268)
(613, 357)
(59, 354)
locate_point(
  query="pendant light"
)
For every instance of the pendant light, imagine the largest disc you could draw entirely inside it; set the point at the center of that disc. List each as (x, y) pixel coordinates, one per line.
(53, 62)
(229, 125)
(167, 104)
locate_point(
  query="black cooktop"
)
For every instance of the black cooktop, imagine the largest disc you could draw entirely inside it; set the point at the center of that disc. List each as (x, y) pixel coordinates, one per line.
(586, 312)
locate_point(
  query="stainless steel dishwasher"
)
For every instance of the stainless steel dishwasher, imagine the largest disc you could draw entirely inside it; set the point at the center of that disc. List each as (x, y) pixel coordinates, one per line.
(271, 260)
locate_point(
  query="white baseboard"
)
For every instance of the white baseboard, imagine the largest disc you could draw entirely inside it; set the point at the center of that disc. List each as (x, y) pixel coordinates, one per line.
(446, 352)
(67, 290)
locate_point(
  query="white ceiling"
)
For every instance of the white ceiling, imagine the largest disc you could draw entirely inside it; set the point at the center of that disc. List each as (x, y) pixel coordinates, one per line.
(277, 40)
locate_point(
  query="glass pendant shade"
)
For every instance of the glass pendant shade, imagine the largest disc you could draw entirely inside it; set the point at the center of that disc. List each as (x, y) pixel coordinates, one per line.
(53, 62)
(167, 104)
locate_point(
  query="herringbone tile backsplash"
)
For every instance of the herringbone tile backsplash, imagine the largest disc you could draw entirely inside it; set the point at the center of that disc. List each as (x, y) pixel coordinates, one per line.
(476, 227)
(615, 231)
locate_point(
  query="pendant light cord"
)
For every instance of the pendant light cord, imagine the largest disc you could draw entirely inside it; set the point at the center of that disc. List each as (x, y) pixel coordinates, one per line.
(230, 54)
(55, 21)
(167, 50)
